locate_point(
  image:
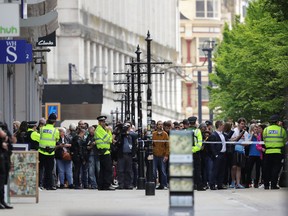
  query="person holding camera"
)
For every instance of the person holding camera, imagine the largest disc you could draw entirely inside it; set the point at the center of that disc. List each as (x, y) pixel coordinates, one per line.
(239, 135)
(126, 151)
(94, 166)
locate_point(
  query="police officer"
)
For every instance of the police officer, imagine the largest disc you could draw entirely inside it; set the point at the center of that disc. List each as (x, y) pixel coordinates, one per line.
(32, 137)
(274, 139)
(196, 148)
(49, 135)
(103, 140)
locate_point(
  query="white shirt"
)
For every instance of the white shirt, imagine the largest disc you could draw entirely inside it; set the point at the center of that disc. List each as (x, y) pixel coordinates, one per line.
(236, 134)
(222, 140)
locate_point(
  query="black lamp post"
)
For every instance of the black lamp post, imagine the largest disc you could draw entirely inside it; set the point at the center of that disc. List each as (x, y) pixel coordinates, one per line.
(209, 48)
(150, 184)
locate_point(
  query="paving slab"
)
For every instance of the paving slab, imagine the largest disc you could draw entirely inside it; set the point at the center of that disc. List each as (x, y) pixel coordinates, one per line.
(231, 202)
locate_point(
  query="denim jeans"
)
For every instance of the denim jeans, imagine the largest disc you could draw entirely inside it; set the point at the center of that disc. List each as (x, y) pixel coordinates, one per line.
(125, 172)
(160, 165)
(94, 167)
(65, 168)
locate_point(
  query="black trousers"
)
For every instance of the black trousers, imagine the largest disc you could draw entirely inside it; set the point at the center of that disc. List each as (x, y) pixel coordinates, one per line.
(125, 172)
(105, 174)
(272, 167)
(46, 163)
(218, 170)
(76, 172)
(197, 170)
(251, 161)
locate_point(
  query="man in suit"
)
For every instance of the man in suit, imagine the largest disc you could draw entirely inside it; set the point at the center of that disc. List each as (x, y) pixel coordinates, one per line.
(218, 154)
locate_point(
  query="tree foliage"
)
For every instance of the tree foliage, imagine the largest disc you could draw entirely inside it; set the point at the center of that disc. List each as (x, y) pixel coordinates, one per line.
(251, 66)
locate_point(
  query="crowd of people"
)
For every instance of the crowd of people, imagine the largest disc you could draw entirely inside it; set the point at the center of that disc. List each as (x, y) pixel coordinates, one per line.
(100, 157)
(228, 155)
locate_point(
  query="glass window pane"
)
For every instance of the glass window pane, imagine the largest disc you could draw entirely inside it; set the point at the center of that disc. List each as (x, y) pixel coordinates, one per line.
(200, 8)
(203, 42)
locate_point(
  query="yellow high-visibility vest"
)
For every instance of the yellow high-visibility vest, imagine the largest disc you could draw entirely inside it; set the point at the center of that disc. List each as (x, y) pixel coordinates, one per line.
(274, 139)
(49, 135)
(197, 140)
(103, 139)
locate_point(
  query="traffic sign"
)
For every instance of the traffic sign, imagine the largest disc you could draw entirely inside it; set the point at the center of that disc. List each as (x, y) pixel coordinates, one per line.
(53, 108)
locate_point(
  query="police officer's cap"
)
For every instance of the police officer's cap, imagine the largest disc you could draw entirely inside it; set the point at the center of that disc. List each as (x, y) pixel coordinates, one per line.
(101, 118)
(274, 118)
(32, 123)
(52, 117)
(192, 119)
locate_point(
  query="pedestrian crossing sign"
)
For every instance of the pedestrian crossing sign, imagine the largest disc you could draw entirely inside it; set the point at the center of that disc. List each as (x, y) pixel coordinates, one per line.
(53, 108)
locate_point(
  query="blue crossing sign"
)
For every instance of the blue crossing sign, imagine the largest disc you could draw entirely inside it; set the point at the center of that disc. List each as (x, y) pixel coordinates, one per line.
(15, 52)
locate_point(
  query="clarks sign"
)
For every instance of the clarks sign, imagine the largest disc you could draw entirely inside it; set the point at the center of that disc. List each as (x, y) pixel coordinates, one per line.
(48, 40)
(9, 20)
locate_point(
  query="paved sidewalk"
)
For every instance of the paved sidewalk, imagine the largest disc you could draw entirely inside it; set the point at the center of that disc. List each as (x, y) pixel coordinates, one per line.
(246, 202)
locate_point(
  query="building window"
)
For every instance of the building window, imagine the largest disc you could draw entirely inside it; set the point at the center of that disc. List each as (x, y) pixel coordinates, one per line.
(205, 92)
(207, 8)
(200, 8)
(203, 42)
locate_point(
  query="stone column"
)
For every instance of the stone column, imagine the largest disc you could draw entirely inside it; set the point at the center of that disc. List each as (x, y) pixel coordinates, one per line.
(94, 62)
(87, 66)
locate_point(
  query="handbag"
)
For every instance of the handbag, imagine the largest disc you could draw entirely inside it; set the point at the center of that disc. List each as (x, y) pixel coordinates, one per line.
(66, 156)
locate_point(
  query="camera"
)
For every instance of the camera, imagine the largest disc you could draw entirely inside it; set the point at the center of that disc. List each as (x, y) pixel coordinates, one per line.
(125, 128)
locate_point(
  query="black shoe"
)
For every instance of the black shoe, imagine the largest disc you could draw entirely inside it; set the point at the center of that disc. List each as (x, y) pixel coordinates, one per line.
(51, 188)
(222, 188)
(266, 187)
(212, 187)
(201, 189)
(110, 188)
(6, 206)
(120, 187)
(71, 186)
(130, 187)
(78, 188)
(275, 188)
(61, 186)
(160, 187)
(2, 207)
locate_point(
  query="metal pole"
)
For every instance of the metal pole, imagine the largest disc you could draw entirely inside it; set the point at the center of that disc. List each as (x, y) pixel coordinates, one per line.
(117, 114)
(132, 93)
(70, 73)
(128, 96)
(199, 97)
(126, 105)
(150, 184)
(122, 107)
(141, 178)
(210, 82)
